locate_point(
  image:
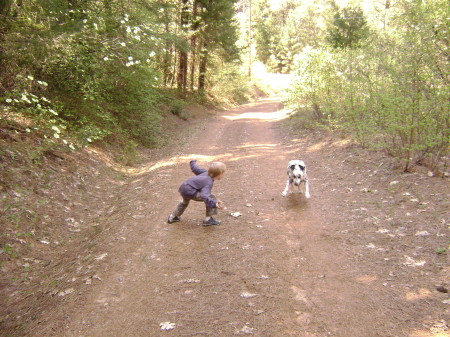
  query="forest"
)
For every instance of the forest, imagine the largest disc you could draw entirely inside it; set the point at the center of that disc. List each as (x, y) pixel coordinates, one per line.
(76, 72)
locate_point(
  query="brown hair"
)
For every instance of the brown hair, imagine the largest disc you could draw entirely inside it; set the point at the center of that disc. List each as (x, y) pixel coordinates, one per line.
(216, 169)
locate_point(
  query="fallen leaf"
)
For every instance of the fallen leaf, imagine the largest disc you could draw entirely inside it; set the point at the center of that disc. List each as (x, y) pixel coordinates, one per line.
(66, 292)
(409, 261)
(167, 326)
(246, 294)
(191, 280)
(101, 257)
(247, 330)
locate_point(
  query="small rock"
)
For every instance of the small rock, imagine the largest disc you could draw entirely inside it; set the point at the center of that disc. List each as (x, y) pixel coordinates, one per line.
(422, 233)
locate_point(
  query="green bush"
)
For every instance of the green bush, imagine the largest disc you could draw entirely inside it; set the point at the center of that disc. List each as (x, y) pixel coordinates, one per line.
(390, 94)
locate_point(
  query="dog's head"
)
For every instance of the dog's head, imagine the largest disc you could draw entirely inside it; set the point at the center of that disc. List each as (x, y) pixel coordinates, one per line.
(296, 171)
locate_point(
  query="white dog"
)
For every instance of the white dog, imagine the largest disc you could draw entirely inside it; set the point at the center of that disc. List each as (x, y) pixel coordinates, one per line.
(296, 171)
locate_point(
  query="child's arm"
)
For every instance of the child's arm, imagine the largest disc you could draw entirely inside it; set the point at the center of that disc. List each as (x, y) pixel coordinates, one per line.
(195, 168)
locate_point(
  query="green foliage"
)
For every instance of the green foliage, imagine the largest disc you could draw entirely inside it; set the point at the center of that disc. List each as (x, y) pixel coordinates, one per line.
(391, 94)
(281, 33)
(349, 28)
(99, 68)
(228, 85)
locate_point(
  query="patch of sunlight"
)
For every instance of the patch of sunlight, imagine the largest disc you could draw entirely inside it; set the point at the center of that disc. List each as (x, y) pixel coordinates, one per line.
(236, 158)
(294, 150)
(316, 147)
(366, 279)
(261, 150)
(257, 146)
(261, 116)
(419, 295)
(134, 171)
(423, 333)
(319, 146)
(341, 143)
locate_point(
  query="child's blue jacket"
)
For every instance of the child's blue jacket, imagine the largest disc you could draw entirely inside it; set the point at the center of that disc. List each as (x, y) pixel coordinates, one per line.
(202, 183)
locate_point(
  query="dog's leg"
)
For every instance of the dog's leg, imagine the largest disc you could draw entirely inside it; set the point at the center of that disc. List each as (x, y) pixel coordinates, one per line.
(307, 195)
(286, 189)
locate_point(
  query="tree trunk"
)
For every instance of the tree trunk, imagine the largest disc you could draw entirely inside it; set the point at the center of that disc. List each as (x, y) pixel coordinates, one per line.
(195, 27)
(202, 67)
(183, 57)
(5, 7)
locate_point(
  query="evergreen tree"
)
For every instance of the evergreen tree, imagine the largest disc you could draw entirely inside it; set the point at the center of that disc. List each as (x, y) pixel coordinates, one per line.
(349, 28)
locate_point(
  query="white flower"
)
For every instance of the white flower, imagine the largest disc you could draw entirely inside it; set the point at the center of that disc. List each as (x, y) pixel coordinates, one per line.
(130, 58)
(53, 112)
(56, 135)
(71, 147)
(106, 58)
(89, 140)
(122, 21)
(28, 130)
(55, 128)
(84, 20)
(25, 99)
(152, 54)
(95, 26)
(123, 44)
(30, 78)
(8, 100)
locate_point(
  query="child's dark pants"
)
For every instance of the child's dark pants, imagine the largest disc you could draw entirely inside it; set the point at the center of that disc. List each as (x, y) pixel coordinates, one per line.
(182, 205)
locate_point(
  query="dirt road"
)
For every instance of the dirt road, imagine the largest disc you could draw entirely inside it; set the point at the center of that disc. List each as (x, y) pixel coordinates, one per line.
(344, 263)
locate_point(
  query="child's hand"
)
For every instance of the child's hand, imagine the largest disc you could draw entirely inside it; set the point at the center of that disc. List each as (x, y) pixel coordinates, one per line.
(220, 205)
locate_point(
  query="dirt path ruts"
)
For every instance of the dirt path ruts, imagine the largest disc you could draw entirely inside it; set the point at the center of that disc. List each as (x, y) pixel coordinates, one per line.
(280, 269)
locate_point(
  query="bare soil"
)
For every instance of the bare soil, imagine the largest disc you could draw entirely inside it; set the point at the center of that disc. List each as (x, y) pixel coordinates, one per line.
(367, 255)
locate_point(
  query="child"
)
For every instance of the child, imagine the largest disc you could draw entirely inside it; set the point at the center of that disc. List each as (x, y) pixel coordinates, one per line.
(199, 188)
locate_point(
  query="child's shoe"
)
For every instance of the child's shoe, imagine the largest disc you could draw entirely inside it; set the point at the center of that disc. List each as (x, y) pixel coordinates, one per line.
(173, 219)
(211, 222)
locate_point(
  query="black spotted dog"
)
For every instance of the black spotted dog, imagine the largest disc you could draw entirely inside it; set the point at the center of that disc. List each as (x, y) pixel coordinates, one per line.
(296, 172)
